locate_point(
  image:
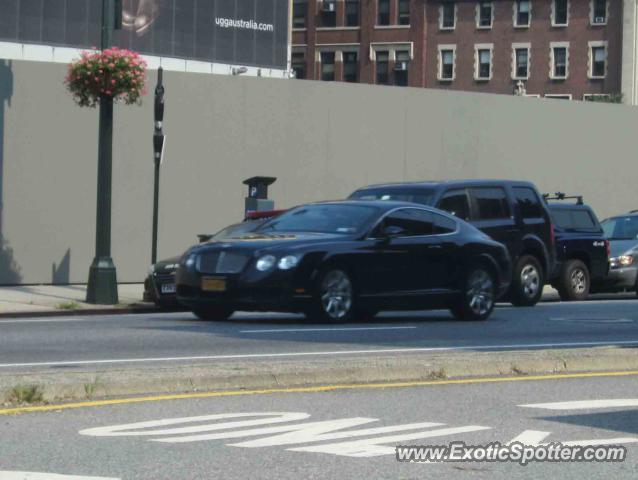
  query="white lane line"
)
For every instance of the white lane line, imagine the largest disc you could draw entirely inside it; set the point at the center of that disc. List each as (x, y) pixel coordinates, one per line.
(586, 404)
(321, 353)
(343, 329)
(592, 320)
(62, 320)
(10, 475)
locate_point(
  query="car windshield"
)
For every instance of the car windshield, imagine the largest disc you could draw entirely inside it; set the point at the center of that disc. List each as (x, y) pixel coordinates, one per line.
(621, 228)
(424, 196)
(323, 218)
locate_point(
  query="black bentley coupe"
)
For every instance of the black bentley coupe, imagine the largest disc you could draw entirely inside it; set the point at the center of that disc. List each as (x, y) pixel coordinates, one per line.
(337, 261)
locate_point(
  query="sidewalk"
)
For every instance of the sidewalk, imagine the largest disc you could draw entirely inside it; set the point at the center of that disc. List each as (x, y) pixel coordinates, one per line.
(50, 299)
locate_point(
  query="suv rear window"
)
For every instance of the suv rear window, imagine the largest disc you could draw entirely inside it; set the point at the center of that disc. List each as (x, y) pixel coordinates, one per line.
(528, 202)
(424, 196)
(491, 203)
(573, 219)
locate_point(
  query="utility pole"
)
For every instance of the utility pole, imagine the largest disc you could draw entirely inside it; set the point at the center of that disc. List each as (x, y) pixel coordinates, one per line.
(102, 286)
(158, 151)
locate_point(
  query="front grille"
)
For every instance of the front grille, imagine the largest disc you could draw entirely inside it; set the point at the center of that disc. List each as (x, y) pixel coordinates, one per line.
(222, 262)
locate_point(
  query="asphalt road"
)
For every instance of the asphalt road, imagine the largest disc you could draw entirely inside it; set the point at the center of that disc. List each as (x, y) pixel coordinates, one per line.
(347, 433)
(43, 344)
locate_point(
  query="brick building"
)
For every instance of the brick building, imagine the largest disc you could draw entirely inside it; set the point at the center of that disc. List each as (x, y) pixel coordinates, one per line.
(553, 48)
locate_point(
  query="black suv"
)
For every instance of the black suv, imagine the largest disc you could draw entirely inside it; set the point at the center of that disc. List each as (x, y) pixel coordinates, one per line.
(582, 252)
(511, 212)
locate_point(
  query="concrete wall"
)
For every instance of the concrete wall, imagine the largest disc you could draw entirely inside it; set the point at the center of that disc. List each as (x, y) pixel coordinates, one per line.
(321, 141)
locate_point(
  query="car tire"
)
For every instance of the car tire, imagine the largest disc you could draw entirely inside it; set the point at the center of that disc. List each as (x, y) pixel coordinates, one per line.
(478, 296)
(333, 299)
(574, 282)
(527, 282)
(213, 314)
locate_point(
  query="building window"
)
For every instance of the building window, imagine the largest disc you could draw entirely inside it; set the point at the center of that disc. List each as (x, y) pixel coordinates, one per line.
(383, 14)
(404, 12)
(447, 16)
(352, 13)
(559, 96)
(484, 11)
(298, 64)
(446, 62)
(597, 97)
(401, 66)
(382, 76)
(597, 59)
(521, 62)
(350, 67)
(328, 13)
(522, 13)
(327, 66)
(299, 10)
(560, 13)
(483, 62)
(558, 60)
(598, 10)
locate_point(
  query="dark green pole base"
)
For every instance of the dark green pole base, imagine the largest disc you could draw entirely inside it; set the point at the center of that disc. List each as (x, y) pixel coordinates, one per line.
(102, 287)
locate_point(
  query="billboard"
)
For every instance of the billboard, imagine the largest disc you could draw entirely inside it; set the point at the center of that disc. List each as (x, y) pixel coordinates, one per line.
(237, 32)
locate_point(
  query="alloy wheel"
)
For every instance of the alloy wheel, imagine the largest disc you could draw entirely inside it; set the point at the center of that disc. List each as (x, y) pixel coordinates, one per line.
(530, 280)
(336, 294)
(578, 281)
(480, 292)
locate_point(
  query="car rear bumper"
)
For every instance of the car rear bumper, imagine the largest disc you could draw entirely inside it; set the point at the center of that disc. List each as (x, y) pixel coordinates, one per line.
(154, 290)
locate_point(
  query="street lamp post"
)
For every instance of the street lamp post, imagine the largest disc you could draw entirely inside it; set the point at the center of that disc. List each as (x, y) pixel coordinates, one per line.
(102, 285)
(158, 150)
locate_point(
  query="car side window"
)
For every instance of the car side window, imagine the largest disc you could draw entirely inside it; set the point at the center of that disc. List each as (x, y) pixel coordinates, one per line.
(491, 203)
(528, 202)
(443, 224)
(413, 222)
(455, 202)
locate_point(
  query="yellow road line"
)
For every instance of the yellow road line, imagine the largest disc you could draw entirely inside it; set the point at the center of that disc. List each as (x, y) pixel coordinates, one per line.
(317, 389)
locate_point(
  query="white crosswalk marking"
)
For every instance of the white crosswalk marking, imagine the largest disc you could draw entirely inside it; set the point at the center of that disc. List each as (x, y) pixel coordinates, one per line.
(530, 437)
(320, 432)
(586, 404)
(140, 429)
(373, 447)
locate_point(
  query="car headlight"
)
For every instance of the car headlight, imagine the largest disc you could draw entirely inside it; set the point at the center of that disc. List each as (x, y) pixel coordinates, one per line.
(265, 263)
(288, 262)
(190, 261)
(625, 260)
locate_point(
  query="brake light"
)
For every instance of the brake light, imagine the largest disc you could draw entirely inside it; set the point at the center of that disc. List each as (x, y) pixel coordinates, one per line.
(608, 248)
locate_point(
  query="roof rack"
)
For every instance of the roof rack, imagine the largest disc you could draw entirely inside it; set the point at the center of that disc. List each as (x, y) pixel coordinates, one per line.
(563, 196)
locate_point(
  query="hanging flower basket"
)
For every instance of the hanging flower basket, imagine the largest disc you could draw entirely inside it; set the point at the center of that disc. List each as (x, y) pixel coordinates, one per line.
(116, 73)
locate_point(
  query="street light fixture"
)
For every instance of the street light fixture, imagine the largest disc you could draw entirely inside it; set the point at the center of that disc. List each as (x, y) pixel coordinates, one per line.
(102, 285)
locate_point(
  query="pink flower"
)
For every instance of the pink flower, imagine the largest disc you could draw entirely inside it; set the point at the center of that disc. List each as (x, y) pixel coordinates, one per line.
(111, 65)
(113, 82)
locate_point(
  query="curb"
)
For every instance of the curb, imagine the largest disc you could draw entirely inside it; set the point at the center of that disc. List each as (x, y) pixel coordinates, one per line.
(133, 309)
(354, 370)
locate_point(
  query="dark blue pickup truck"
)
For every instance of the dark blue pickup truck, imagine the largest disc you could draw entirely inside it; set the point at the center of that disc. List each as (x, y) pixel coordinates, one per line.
(582, 252)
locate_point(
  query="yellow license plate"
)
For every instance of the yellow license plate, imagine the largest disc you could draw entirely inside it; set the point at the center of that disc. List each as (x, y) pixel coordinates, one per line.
(210, 284)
